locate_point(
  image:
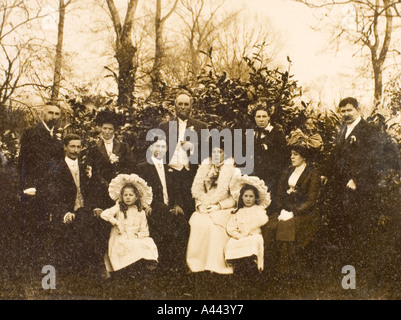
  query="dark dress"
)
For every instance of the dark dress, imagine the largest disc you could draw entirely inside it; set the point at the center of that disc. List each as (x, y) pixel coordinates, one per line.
(294, 235)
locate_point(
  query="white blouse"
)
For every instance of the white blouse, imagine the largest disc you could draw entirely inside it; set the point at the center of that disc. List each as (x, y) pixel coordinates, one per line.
(293, 179)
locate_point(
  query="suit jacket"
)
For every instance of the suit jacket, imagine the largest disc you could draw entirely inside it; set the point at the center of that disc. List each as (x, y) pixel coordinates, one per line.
(271, 156)
(149, 173)
(103, 171)
(61, 190)
(196, 126)
(353, 158)
(303, 203)
(165, 228)
(38, 148)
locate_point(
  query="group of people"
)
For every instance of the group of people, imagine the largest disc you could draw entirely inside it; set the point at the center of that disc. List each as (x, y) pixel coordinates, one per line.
(175, 214)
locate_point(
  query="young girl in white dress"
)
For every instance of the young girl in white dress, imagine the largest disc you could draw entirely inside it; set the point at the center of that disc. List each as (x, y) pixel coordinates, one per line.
(129, 240)
(246, 247)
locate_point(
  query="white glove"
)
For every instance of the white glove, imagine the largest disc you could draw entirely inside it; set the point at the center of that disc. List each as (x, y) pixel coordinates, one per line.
(30, 191)
(69, 217)
(285, 215)
(351, 185)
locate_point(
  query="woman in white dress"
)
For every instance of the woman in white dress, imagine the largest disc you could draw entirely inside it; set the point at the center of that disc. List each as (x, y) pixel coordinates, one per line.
(129, 240)
(214, 204)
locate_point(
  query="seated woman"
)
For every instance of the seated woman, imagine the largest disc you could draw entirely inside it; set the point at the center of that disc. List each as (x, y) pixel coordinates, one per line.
(214, 204)
(297, 204)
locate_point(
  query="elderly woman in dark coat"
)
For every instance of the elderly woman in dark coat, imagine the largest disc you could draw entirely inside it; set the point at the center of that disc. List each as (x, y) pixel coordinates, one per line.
(297, 204)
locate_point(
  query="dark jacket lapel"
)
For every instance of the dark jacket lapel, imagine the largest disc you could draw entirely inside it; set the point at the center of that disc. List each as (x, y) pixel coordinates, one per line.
(102, 148)
(116, 146)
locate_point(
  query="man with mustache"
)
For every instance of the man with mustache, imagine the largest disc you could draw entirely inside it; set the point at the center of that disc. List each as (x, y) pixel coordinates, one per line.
(67, 240)
(351, 186)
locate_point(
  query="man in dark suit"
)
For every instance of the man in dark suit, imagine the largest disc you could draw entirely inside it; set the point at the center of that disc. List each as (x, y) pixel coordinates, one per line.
(184, 156)
(68, 239)
(352, 183)
(39, 146)
(167, 224)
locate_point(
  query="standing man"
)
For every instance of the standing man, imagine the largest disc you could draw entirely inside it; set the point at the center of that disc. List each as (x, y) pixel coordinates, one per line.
(167, 224)
(352, 187)
(39, 146)
(181, 149)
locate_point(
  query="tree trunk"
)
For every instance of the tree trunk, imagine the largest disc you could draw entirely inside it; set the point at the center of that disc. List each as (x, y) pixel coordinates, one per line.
(378, 81)
(125, 55)
(156, 70)
(157, 81)
(59, 54)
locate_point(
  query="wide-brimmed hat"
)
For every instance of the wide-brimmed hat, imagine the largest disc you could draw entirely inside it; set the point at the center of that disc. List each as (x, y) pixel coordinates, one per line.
(239, 181)
(109, 116)
(121, 180)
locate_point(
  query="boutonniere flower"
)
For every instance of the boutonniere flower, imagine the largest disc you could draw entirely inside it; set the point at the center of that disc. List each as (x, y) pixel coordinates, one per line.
(58, 136)
(191, 128)
(113, 158)
(291, 190)
(352, 140)
(88, 171)
(264, 145)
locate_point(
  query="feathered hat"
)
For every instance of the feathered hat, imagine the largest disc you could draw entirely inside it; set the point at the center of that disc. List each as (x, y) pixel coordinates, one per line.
(300, 139)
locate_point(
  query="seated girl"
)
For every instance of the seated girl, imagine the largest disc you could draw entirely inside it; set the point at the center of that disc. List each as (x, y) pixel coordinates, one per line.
(129, 240)
(245, 248)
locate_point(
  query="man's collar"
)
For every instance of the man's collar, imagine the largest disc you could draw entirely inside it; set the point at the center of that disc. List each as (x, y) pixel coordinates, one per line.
(71, 162)
(156, 161)
(182, 120)
(47, 127)
(354, 124)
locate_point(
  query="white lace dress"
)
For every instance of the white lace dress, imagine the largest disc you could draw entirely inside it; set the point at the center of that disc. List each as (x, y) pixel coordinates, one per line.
(246, 240)
(133, 243)
(208, 235)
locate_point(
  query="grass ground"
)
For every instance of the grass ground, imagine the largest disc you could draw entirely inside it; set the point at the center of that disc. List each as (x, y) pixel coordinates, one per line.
(322, 282)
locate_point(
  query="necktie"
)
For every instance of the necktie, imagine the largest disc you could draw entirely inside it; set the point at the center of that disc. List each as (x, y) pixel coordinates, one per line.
(78, 198)
(342, 134)
(163, 182)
